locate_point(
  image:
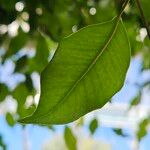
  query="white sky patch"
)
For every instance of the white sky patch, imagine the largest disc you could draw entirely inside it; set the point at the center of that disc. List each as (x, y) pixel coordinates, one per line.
(143, 33)
(127, 9)
(37, 98)
(25, 16)
(28, 51)
(8, 105)
(36, 81)
(8, 77)
(92, 11)
(13, 28)
(39, 11)
(2, 52)
(25, 27)
(3, 29)
(29, 101)
(19, 6)
(74, 28)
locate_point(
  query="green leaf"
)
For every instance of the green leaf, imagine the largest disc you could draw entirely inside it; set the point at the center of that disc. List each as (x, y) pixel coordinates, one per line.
(88, 68)
(93, 126)
(119, 132)
(146, 54)
(70, 139)
(40, 60)
(133, 31)
(142, 129)
(10, 119)
(146, 8)
(20, 94)
(17, 42)
(136, 100)
(3, 92)
(100, 10)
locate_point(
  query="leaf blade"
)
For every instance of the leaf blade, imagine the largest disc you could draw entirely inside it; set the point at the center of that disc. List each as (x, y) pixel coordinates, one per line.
(82, 82)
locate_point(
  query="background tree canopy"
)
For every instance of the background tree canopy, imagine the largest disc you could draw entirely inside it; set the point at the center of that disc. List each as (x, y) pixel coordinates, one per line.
(30, 32)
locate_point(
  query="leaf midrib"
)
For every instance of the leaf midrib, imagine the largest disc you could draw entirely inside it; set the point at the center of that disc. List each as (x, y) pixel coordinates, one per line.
(86, 71)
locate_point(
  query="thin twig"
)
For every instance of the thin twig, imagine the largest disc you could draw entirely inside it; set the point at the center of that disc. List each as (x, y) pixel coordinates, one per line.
(123, 8)
(143, 17)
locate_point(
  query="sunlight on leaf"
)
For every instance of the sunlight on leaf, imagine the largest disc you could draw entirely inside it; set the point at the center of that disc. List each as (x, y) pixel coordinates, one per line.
(88, 68)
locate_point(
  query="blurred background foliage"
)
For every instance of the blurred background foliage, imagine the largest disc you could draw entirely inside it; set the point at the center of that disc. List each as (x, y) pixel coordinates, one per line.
(29, 35)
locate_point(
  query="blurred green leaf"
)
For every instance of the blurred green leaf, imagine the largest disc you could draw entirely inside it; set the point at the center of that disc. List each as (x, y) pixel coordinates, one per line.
(136, 100)
(20, 94)
(51, 128)
(2, 144)
(70, 139)
(7, 11)
(119, 132)
(133, 30)
(146, 54)
(40, 60)
(10, 120)
(93, 126)
(3, 91)
(17, 42)
(103, 7)
(142, 129)
(9, 5)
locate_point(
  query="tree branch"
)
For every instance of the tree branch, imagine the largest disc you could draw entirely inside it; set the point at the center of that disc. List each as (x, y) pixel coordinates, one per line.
(143, 17)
